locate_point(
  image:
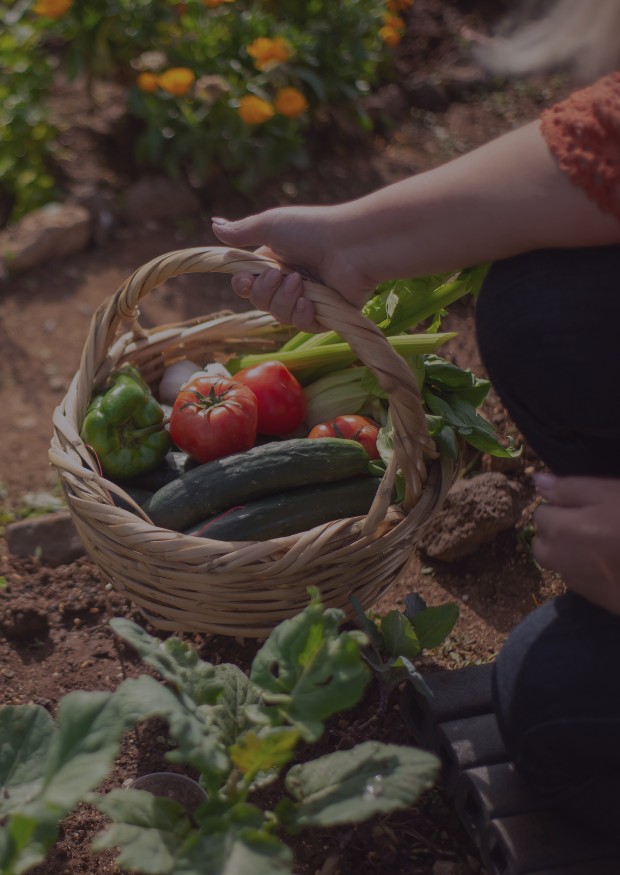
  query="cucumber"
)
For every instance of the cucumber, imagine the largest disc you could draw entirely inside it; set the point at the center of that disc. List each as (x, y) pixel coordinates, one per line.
(295, 510)
(173, 465)
(138, 495)
(236, 479)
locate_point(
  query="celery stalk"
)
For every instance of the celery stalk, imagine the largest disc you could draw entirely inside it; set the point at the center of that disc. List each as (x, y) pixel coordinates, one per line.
(305, 363)
(412, 301)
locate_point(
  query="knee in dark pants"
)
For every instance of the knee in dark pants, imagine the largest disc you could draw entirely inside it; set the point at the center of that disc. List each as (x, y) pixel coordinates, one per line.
(559, 710)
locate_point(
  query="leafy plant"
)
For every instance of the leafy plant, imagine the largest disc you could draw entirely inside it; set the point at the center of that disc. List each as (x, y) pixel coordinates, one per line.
(238, 733)
(226, 85)
(399, 637)
(26, 135)
(451, 395)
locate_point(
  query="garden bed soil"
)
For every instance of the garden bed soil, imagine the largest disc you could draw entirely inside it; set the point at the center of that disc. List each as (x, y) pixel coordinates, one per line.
(54, 634)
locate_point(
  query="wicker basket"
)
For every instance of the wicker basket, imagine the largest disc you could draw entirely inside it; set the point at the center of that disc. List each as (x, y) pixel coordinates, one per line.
(185, 583)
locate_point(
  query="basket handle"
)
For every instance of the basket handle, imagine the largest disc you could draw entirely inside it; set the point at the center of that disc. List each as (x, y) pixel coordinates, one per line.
(411, 438)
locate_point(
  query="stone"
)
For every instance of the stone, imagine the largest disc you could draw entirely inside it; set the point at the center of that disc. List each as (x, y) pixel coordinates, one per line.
(476, 510)
(157, 197)
(52, 538)
(52, 232)
(424, 92)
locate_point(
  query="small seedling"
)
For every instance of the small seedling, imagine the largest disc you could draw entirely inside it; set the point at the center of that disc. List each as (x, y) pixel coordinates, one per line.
(399, 637)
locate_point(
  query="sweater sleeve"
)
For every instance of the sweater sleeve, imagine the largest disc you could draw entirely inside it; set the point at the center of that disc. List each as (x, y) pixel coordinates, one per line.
(583, 132)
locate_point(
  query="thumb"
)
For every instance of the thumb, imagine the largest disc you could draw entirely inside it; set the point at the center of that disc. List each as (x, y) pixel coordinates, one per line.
(250, 231)
(570, 491)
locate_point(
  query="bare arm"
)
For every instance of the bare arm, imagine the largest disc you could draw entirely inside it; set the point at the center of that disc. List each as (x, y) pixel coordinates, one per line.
(506, 197)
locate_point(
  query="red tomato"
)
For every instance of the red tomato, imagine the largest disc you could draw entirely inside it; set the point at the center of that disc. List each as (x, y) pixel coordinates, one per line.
(353, 428)
(213, 417)
(279, 397)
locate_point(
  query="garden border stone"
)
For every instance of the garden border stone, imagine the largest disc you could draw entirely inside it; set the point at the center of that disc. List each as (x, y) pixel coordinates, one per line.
(516, 832)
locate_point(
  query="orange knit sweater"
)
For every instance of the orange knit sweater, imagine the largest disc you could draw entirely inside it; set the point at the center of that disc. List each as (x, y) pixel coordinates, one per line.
(583, 132)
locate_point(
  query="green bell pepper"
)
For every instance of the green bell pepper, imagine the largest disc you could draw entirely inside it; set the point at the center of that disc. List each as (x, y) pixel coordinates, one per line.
(124, 426)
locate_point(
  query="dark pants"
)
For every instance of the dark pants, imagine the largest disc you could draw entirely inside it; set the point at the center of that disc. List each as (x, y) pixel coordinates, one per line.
(547, 326)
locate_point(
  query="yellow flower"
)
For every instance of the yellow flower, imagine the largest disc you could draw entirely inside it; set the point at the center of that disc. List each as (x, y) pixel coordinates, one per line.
(290, 102)
(211, 4)
(52, 8)
(393, 21)
(177, 80)
(390, 36)
(254, 110)
(269, 52)
(147, 82)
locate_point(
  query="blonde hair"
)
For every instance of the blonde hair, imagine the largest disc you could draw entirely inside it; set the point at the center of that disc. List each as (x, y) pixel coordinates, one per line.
(578, 36)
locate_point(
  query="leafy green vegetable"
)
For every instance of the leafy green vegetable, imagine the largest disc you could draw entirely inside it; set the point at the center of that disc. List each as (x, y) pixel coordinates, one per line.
(237, 732)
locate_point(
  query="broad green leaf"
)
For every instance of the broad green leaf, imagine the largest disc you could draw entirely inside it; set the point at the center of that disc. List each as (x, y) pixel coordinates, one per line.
(462, 416)
(445, 376)
(414, 603)
(25, 841)
(353, 785)
(433, 625)
(192, 727)
(399, 637)
(415, 678)
(148, 830)
(236, 843)
(175, 661)
(309, 670)
(367, 625)
(267, 752)
(238, 693)
(83, 748)
(25, 735)
(447, 443)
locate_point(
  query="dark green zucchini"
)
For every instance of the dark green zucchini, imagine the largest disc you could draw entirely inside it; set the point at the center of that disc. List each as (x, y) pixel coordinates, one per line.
(242, 477)
(173, 465)
(295, 510)
(138, 495)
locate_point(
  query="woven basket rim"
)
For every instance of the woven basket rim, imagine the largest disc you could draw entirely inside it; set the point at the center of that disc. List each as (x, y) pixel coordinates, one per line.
(185, 583)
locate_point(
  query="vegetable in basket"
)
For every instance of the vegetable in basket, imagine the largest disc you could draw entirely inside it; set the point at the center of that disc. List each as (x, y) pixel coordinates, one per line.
(355, 428)
(280, 400)
(125, 426)
(213, 417)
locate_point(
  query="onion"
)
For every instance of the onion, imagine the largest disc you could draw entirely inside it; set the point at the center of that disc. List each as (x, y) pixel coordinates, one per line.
(173, 378)
(178, 374)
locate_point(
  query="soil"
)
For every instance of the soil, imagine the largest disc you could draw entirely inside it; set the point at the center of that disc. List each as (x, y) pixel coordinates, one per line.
(54, 634)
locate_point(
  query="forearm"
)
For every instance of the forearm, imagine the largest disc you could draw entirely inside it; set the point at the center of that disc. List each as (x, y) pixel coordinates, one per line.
(506, 197)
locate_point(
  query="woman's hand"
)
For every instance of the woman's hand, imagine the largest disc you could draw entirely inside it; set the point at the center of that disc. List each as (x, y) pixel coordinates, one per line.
(578, 535)
(310, 242)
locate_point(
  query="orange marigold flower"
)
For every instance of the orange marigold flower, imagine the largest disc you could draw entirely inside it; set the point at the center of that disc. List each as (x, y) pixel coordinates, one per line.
(52, 8)
(147, 82)
(390, 36)
(398, 5)
(268, 52)
(254, 110)
(290, 102)
(177, 80)
(394, 21)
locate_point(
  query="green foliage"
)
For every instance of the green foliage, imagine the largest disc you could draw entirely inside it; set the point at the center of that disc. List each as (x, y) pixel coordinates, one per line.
(451, 396)
(26, 135)
(237, 732)
(399, 637)
(207, 98)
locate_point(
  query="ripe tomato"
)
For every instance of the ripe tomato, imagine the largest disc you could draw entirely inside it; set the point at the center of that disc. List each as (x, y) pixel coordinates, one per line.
(279, 397)
(353, 428)
(213, 417)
